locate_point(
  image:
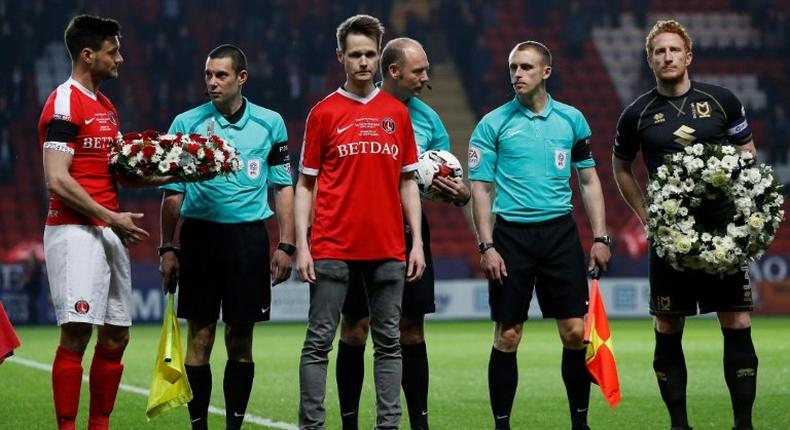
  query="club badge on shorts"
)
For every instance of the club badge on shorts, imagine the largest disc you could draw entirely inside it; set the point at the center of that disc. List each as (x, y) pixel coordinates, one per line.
(82, 307)
(560, 159)
(254, 168)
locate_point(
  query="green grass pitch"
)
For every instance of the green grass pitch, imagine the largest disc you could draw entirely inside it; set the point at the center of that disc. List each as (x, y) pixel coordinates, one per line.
(458, 389)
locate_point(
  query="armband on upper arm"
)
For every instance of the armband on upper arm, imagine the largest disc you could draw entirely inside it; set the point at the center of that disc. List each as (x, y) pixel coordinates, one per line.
(278, 154)
(581, 150)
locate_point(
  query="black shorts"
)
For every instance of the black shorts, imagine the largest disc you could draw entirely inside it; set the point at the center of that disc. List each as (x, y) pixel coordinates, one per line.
(675, 293)
(224, 265)
(418, 297)
(545, 256)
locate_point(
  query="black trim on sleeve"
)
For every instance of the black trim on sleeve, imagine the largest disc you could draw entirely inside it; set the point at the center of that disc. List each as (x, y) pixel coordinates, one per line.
(60, 130)
(278, 154)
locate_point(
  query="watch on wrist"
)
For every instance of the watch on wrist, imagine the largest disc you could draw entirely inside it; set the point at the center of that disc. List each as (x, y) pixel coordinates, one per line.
(287, 248)
(484, 246)
(605, 239)
(162, 250)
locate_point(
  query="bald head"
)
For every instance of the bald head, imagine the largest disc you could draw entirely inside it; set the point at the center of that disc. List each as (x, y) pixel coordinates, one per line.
(404, 66)
(396, 51)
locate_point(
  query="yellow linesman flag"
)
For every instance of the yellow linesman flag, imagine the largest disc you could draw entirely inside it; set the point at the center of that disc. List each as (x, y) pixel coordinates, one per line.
(600, 356)
(169, 385)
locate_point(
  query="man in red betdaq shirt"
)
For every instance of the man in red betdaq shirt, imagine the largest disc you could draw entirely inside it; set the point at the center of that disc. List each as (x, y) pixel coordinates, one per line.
(85, 235)
(359, 153)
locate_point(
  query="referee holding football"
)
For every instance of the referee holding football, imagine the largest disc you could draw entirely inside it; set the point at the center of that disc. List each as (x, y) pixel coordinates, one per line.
(404, 67)
(527, 147)
(225, 247)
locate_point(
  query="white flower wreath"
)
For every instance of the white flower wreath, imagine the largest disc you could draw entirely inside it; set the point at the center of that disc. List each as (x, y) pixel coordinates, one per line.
(706, 173)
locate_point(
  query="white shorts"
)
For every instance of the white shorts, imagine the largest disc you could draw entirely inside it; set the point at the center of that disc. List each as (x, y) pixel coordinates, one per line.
(89, 275)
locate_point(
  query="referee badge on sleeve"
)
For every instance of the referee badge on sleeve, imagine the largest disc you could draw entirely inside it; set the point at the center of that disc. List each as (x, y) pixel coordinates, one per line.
(474, 157)
(560, 158)
(254, 168)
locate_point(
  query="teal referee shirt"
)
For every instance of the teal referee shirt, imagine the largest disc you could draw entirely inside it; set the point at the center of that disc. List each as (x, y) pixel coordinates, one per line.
(529, 157)
(259, 135)
(429, 132)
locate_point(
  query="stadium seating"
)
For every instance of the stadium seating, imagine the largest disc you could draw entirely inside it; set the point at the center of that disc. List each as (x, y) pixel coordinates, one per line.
(164, 55)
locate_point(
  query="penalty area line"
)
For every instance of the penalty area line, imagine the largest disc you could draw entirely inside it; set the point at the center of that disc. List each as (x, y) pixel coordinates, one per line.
(249, 418)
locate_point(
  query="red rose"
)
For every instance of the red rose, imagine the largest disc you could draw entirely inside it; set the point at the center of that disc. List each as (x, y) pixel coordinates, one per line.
(134, 150)
(132, 136)
(197, 138)
(193, 148)
(166, 143)
(173, 167)
(209, 154)
(203, 169)
(148, 152)
(226, 167)
(150, 134)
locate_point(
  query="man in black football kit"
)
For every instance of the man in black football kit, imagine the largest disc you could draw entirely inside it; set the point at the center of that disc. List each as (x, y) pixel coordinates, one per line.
(675, 114)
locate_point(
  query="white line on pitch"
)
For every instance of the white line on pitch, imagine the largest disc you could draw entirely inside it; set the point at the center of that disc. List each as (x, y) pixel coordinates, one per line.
(250, 418)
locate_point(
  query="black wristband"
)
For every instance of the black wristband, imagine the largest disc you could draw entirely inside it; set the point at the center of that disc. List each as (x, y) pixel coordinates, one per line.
(286, 248)
(163, 249)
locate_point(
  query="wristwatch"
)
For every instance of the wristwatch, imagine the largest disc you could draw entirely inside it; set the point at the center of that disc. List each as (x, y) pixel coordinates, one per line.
(484, 246)
(164, 249)
(287, 248)
(605, 239)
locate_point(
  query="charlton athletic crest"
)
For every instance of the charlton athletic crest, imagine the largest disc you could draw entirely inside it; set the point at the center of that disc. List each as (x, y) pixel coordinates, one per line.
(82, 307)
(388, 124)
(560, 159)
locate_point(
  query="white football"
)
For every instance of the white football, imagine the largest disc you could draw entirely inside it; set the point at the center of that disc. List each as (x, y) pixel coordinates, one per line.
(436, 163)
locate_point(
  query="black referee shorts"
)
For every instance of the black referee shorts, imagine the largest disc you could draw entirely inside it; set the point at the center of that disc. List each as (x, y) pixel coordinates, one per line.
(227, 266)
(418, 297)
(545, 256)
(677, 293)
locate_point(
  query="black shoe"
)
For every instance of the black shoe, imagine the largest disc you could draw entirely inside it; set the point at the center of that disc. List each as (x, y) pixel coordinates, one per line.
(681, 428)
(584, 427)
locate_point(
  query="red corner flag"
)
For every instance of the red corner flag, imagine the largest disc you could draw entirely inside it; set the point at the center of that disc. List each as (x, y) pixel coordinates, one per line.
(8, 339)
(600, 356)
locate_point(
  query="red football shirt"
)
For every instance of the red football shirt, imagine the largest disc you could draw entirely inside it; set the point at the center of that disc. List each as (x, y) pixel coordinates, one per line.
(358, 148)
(84, 124)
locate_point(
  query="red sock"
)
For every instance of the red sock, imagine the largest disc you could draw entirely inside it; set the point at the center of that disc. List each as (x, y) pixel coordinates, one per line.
(105, 377)
(66, 383)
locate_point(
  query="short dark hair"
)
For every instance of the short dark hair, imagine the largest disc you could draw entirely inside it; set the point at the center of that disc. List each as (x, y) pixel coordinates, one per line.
(393, 52)
(89, 31)
(536, 46)
(365, 25)
(236, 55)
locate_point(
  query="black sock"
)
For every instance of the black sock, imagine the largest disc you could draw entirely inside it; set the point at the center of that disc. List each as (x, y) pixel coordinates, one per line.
(415, 384)
(577, 384)
(740, 372)
(237, 385)
(502, 384)
(670, 366)
(200, 381)
(349, 373)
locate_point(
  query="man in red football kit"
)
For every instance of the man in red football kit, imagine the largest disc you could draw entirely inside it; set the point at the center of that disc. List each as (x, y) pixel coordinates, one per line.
(358, 157)
(85, 234)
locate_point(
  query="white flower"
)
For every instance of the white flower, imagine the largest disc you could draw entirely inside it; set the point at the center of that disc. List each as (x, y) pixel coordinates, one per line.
(756, 221)
(126, 150)
(671, 207)
(682, 243)
(728, 149)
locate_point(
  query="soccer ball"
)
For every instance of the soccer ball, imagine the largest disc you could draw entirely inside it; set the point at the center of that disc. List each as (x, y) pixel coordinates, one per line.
(436, 163)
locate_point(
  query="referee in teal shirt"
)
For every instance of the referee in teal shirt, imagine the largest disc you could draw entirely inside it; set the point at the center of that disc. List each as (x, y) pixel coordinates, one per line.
(527, 148)
(224, 257)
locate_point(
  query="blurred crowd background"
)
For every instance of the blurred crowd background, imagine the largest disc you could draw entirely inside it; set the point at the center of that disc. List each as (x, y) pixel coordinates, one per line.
(599, 67)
